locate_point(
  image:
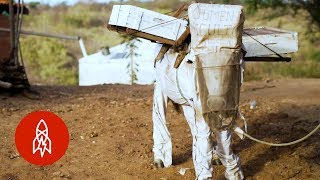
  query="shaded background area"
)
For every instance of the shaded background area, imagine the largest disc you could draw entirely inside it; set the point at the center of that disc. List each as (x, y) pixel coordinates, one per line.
(51, 61)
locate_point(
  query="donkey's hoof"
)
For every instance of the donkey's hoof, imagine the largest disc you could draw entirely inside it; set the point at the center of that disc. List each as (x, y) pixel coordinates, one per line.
(158, 163)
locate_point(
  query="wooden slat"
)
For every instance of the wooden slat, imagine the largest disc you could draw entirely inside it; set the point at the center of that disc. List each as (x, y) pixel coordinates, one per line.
(180, 10)
(183, 37)
(149, 36)
(116, 29)
(132, 32)
(164, 49)
(181, 56)
(267, 59)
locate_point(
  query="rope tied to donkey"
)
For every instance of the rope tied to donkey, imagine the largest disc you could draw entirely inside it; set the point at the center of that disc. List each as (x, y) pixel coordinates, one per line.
(240, 131)
(244, 133)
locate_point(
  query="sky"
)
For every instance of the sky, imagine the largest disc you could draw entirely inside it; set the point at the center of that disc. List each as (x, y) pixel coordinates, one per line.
(69, 2)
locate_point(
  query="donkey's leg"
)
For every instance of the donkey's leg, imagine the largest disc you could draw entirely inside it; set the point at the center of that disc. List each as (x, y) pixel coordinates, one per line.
(230, 160)
(202, 143)
(162, 147)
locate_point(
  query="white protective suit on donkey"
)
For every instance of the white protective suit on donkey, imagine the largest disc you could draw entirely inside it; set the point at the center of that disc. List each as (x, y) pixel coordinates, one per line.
(183, 88)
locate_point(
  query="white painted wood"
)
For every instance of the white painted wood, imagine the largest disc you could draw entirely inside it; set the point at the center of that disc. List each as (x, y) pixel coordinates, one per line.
(171, 28)
(119, 16)
(214, 27)
(83, 48)
(280, 41)
(147, 21)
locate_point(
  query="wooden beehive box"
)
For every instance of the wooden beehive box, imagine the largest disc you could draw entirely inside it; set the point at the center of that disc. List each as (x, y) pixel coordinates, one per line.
(280, 41)
(147, 24)
(155, 26)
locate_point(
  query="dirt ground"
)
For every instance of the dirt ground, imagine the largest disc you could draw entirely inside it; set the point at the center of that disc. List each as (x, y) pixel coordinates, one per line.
(111, 132)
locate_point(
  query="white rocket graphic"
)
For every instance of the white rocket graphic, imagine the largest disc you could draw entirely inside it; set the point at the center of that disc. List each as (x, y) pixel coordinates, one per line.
(42, 142)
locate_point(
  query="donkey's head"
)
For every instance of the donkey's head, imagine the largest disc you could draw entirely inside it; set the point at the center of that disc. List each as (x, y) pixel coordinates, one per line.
(216, 38)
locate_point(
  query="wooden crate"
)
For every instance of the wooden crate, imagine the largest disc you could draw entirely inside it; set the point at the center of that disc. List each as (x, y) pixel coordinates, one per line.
(280, 41)
(146, 24)
(169, 30)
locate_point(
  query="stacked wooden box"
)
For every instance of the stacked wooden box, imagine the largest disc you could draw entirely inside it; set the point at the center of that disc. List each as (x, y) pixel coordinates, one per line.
(258, 42)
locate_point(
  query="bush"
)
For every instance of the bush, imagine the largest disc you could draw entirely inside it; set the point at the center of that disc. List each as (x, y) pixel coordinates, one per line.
(45, 61)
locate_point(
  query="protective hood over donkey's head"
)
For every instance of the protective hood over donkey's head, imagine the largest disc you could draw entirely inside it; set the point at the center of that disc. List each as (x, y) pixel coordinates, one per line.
(216, 39)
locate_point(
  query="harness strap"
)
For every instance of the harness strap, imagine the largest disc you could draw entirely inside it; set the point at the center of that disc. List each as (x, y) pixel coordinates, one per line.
(178, 85)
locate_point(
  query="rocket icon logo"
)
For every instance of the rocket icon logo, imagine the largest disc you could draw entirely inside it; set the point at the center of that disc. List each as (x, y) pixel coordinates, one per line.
(42, 138)
(42, 142)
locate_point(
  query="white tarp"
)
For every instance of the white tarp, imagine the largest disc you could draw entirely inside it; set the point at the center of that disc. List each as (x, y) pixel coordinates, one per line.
(99, 69)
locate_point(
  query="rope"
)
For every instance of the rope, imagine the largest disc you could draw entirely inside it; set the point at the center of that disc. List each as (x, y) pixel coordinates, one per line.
(247, 135)
(282, 144)
(213, 67)
(244, 120)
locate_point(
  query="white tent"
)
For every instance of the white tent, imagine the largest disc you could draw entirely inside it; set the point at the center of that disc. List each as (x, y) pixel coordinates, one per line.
(98, 69)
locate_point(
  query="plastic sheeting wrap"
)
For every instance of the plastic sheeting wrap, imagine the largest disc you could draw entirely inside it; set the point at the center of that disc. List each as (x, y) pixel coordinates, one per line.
(216, 32)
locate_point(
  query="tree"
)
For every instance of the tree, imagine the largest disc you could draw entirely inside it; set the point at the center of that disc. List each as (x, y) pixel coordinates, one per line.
(132, 65)
(33, 5)
(311, 6)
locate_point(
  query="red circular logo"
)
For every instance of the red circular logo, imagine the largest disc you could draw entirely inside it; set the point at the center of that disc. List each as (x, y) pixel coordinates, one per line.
(42, 138)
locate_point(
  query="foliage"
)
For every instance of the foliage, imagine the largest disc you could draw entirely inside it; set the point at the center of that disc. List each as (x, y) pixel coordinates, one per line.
(52, 61)
(33, 5)
(48, 61)
(311, 6)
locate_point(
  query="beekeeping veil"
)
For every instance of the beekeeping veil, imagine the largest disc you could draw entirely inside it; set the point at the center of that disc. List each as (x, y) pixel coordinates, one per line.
(216, 38)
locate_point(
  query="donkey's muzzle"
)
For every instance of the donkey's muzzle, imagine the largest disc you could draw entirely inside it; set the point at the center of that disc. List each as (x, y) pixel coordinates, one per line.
(216, 103)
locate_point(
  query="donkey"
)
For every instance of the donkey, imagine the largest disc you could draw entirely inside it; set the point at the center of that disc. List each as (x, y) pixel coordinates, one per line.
(206, 85)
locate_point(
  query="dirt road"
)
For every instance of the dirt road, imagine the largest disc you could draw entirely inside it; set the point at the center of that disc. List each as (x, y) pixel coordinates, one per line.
(111, 132)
